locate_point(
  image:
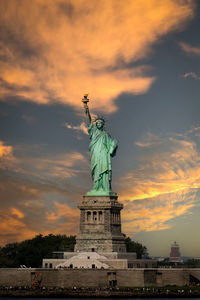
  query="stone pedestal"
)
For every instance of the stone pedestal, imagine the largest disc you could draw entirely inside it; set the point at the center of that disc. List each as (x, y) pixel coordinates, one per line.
(100, 225)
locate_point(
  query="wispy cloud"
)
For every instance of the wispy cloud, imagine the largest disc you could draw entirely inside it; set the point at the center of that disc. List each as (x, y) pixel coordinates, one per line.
(190, 49)
(152, 214)
(162, 187)
(164, 184)
(68, 48)
(80, 128)
(60, 165)
(13, 229)
(7, 158)
(30, 184)
(42, 163)
(5, 150)
(16, 212)
(17, 225)
(28, 209)
(149, 140)
(191, 74)
(167, 164)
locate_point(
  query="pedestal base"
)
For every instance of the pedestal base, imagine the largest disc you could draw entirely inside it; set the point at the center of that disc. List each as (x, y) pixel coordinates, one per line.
(100, 225)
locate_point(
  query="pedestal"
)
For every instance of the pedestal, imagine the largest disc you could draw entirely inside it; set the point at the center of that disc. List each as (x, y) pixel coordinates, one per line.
(100, 225)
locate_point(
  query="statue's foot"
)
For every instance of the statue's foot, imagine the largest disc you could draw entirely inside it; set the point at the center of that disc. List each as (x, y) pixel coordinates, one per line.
(100, 192)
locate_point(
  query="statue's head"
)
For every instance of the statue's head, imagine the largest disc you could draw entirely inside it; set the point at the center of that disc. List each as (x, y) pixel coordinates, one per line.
(99, 122)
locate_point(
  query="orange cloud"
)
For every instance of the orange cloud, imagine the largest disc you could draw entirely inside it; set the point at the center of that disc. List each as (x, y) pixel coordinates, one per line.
(30, 217)
(17, 212)
(165, 183)
(27, 210)
(13, 229)
(67, 219)
(153, 219)
(62, 210)
(5, 150)
(154, 213)
(171, 165)
(7, 159)
(66, 48)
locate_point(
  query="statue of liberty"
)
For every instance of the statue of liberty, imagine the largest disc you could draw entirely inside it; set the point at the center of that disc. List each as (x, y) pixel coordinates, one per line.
(102, 147)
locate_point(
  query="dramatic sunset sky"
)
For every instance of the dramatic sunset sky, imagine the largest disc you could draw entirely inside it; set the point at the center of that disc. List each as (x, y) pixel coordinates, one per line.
(139, 60)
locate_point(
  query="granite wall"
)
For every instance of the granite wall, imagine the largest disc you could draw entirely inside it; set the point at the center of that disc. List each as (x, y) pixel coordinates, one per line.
(97, 278)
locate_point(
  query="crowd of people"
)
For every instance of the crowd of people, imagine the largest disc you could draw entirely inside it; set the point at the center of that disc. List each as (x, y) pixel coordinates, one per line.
(100, 291)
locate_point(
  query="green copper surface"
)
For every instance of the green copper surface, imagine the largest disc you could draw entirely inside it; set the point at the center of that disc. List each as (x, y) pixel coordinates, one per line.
(102, 147)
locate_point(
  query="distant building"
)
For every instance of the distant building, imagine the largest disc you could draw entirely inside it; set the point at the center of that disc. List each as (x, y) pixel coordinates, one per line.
(175, 255)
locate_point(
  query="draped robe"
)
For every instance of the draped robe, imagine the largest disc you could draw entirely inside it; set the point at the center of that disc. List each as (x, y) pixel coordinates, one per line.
(102, 147)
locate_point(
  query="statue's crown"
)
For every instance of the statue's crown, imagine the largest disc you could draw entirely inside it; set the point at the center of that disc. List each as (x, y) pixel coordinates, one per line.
(99, 118)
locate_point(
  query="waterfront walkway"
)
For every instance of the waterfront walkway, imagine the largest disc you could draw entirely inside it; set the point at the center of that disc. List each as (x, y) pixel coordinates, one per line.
(186, 291)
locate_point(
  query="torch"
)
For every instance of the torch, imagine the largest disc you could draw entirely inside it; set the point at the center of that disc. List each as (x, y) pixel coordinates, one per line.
(85, 100)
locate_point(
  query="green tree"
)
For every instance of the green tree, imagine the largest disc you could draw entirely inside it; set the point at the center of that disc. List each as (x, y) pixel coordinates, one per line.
(192, 263)
(31, 252)
(132, 246)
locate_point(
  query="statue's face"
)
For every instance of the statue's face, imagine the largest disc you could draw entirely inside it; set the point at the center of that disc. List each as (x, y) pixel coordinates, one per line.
(99, 124)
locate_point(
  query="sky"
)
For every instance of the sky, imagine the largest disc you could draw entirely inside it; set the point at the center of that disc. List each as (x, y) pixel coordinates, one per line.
(140, 63)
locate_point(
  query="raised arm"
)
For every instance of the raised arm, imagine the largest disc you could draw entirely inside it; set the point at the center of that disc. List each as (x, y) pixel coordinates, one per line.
(85, 101)
(87, 112)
